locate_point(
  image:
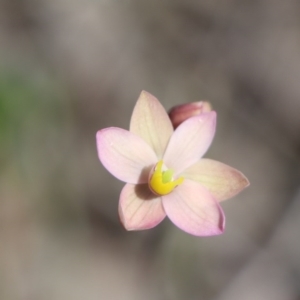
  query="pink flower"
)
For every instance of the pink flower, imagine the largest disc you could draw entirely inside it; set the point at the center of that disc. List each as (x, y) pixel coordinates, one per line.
(164, 172)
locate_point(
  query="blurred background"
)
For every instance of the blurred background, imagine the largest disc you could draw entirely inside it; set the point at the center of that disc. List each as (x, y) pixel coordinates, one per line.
(69, 68)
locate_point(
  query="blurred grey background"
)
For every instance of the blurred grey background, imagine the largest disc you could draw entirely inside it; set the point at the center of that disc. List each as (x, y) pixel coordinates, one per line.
(69, 68)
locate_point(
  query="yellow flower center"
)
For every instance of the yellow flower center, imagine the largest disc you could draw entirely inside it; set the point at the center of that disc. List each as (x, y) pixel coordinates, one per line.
(161, 182)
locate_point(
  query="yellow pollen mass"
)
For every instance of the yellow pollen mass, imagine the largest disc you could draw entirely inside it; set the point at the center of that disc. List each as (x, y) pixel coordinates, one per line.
(162, 182)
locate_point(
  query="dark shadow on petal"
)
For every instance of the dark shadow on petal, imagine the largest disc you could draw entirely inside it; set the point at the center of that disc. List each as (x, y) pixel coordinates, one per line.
(144, 176)
(143, 192)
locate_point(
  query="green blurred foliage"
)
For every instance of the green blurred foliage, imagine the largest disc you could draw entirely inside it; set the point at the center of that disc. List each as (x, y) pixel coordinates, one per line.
(28, 107)
(36, 133)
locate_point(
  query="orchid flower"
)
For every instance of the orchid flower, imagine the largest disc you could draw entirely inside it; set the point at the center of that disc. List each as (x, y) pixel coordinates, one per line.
(165, 173)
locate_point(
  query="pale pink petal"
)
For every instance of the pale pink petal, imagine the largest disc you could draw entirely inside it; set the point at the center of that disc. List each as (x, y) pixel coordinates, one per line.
(190, 141)
(139, 208)
(193, 209)
(221, 180)
(150, 121)
(125, 155)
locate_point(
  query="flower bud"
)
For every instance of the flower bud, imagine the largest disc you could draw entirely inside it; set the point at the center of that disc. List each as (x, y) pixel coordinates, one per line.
(182, 112)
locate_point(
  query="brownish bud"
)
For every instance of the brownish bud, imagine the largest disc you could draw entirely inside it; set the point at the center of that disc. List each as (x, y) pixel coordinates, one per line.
(180, 113)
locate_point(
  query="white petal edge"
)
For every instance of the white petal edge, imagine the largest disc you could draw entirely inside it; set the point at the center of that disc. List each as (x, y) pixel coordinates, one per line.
(194, 210)
(190, 141)
(221, 180)
(151, 122)
(125, 155)
(139, 208)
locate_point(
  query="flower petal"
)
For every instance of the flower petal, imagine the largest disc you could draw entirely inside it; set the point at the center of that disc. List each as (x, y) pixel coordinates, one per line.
(193, 209)
(190, 141)
(150, 121)
(221, 180)
(139, 208)
(125, 155)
